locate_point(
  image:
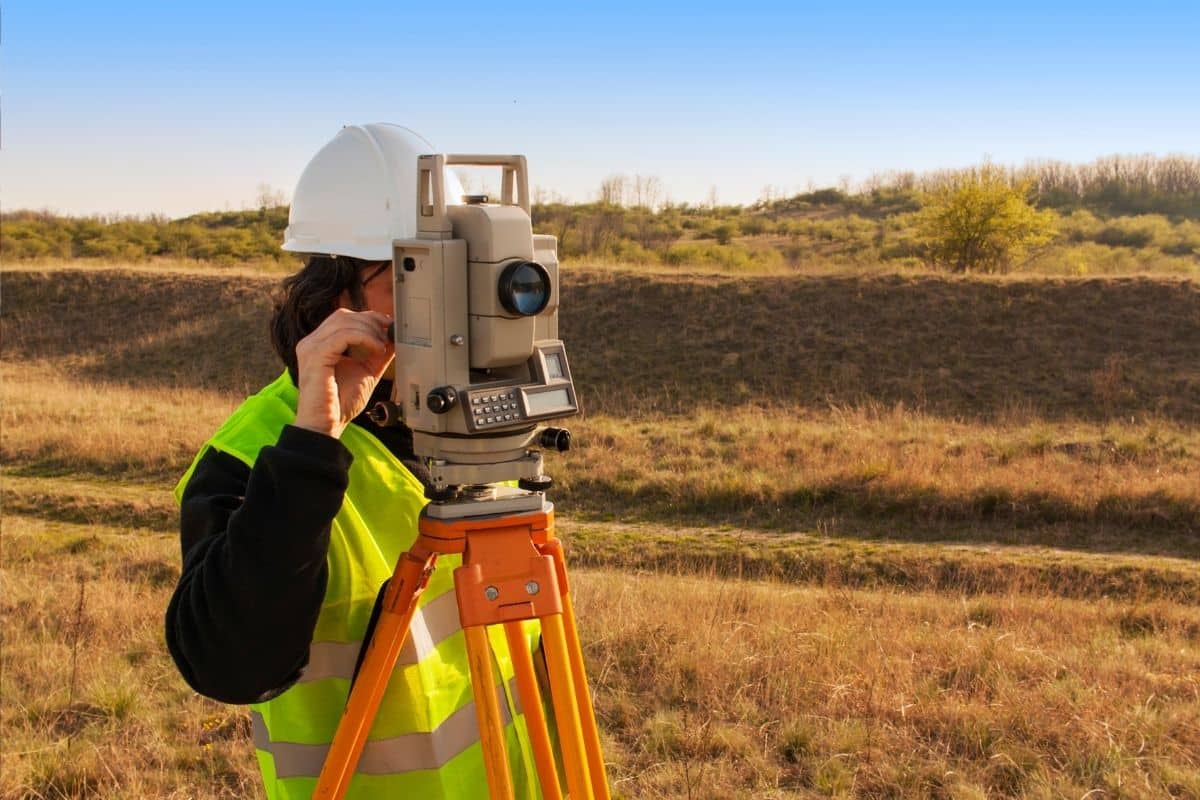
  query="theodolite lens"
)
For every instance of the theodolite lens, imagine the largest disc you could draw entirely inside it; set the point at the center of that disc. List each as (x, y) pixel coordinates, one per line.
(524, 288)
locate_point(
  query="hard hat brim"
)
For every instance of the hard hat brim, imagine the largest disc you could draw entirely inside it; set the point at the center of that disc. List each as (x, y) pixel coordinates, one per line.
(372, 251)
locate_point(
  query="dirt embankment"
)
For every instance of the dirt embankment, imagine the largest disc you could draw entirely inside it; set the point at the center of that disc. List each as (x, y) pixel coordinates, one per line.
(970, 348)
(652, 343)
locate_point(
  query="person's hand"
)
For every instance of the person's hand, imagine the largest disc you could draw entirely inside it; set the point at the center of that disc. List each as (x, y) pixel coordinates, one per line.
(335, 387)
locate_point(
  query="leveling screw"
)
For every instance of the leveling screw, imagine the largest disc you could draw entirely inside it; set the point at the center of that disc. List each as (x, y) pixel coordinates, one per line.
(491, 593)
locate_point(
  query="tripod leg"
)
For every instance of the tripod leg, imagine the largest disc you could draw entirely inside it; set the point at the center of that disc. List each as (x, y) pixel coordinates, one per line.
(591, 733)
(566, 708)
(395, 618)
(574, 652)
(531, 704)
(487, 710)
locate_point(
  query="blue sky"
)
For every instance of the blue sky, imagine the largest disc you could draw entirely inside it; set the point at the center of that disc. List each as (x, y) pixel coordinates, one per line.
(139, 107)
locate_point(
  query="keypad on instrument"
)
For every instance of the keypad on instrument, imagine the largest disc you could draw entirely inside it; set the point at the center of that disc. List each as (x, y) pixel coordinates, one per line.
(494, 408)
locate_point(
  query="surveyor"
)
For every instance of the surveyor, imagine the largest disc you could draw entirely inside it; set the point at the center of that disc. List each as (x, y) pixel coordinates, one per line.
(295, 511)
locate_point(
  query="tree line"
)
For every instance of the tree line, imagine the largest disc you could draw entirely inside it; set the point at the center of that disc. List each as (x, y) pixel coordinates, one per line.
(229, 236)
(1116, 185)
(1118, 201)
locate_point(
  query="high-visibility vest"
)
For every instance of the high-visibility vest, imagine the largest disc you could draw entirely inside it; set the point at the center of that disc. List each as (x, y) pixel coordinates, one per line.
(425, 740)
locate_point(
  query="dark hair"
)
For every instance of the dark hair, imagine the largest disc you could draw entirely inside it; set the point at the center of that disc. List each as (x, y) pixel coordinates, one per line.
(308, 297)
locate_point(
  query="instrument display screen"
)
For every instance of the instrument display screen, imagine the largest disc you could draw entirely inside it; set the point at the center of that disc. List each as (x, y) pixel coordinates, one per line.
(545, 402)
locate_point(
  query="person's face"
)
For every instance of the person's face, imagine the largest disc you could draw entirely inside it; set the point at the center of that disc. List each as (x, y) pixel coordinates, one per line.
(377, 296)
(377, 287)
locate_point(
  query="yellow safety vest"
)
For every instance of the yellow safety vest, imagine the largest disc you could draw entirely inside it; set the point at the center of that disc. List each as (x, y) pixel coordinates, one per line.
(425, 740)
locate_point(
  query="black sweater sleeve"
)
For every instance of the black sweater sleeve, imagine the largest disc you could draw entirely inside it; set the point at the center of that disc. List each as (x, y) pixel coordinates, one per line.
(254, 565)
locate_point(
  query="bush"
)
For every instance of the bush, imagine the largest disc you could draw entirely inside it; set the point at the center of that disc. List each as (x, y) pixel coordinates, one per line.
(1136, 232)
(1184, 239)
(1081, 226)
(976, 220)
(628, 252)
(224, 236)
(757, 225)
(1089, 258)
(730, 258)
(725, 232)
(823, 197)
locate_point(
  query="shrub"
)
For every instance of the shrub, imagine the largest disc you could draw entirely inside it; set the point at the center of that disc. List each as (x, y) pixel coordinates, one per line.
(823, 197)
(1089, 258)
(1184, 239)
(725, 232)
(976, 220)
(1139, 231)
(1081, 226)
(730, 258)
(756, 225)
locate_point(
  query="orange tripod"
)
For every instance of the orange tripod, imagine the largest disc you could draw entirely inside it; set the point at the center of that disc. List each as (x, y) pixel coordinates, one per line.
(512, 570)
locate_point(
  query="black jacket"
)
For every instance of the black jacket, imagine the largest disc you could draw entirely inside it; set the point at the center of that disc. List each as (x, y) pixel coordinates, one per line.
(254, 543)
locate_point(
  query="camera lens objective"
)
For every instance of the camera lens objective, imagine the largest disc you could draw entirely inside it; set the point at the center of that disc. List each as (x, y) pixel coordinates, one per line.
(524, 288)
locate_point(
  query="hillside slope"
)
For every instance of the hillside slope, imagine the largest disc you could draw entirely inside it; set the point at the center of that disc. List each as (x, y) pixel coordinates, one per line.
(638, 343)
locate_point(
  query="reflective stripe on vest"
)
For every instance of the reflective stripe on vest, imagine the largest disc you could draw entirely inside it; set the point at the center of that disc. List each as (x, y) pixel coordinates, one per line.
(427, 718)
(432, 624)
(405, 753)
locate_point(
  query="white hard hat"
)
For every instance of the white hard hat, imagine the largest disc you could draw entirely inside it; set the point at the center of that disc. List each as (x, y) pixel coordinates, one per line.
(359, 192)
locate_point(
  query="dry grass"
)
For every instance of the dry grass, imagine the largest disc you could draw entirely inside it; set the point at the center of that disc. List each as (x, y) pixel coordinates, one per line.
(142, 328)
(54, 423)
(704, 688)
(92, 705)
(857, 563)
(897, 473)
(979, 349)
(711, 689)
(894, 474)
(979, 501)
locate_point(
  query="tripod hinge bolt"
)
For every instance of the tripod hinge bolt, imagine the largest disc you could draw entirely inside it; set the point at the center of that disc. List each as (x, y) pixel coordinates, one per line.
(491, 593)
(532, 587)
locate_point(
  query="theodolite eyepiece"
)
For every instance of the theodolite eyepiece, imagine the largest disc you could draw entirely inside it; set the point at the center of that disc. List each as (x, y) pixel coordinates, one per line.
(385, 413)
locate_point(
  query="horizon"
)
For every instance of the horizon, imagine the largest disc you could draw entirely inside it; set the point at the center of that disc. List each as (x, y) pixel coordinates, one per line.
(200, 108)
(274, 198)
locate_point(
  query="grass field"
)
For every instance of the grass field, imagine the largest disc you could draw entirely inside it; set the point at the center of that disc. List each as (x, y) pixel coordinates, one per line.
(889, 536)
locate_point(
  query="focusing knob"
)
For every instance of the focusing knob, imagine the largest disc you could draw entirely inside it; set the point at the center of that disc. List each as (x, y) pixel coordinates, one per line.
(556, 439)
(441, 399)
